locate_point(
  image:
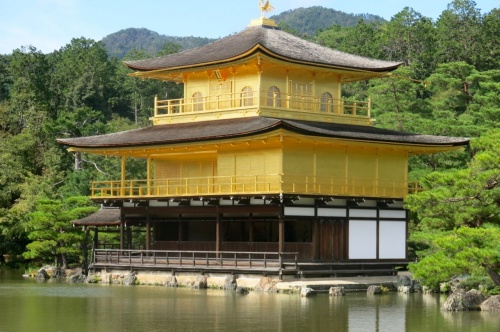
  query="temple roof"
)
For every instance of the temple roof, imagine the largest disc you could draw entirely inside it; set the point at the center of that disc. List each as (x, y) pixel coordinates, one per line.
(269, 40)
(103, 217)
(232, 128)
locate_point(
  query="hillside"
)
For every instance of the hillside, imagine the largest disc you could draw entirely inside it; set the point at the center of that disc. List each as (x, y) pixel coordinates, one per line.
(304, 21)
(120, 43)
(307, 21)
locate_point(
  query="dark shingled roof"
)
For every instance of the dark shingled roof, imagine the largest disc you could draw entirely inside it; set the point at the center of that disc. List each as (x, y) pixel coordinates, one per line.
(103, 217)
(232, 128)
(269, 40)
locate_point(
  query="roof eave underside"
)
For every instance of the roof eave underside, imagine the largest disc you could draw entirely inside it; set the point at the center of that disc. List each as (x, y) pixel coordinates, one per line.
(255, 127)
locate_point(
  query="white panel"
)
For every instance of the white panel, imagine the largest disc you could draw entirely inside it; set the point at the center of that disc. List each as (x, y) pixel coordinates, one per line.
(299, 211)
(392, 214)
(324, 212)
(392, 237)
(304, 201)
(362, 239)
(128, 204)
(365, 213)
(155, 203)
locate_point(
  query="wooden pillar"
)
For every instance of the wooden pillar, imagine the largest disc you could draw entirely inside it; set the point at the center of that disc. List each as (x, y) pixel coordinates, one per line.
(281, 231)
(148, 232)
(122, 233)
(129, 237)
(95, 243)
(218, 237)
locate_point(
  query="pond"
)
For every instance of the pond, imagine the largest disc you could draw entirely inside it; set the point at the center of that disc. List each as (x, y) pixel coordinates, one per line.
(30, 305)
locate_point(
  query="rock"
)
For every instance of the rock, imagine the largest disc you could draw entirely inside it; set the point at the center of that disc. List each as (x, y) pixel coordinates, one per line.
(266, 284)
(129, 279)
(42, 275)
(491, 303)
(201, 282)
(171, 281)
(307, 292)
(463, 301)
(58, 272)
(374, 290)
(405, 289)
(230, 282)
(404, 281)
(77, 278)
(474, 298)
(336, 291)
(241, 290)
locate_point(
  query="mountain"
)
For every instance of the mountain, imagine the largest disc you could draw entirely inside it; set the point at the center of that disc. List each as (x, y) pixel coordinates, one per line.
(303, 21)
(120, 43)
(307, 21)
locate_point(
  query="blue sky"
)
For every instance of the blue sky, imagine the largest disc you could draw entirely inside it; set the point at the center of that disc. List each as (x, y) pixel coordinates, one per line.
(49, 25)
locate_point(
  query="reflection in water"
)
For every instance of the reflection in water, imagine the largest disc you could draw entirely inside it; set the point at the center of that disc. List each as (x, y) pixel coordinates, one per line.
(26, 305)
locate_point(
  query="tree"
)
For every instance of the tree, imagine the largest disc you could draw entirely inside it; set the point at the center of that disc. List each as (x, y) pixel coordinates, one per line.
(458, 33)
(410, 37)
(50, 231)
(460, 211)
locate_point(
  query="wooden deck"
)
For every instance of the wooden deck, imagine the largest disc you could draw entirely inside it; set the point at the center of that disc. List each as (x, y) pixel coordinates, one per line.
(272, 263)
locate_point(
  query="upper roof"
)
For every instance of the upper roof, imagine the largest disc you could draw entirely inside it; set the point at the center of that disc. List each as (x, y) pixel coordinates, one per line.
(269, 40)
(241, 127)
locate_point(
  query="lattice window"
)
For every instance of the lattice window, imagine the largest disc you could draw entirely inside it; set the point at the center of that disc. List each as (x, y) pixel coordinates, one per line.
(326, 102)
(273, 97)
(197, 101)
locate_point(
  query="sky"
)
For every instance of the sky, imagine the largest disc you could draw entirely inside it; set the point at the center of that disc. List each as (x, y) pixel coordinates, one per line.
(49, 25)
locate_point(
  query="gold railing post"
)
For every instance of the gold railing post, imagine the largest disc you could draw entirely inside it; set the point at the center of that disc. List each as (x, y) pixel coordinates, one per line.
(156, 105)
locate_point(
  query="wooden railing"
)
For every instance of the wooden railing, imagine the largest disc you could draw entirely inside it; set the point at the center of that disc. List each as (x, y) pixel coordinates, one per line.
(277, 101)
(208, 259)
(249, 185)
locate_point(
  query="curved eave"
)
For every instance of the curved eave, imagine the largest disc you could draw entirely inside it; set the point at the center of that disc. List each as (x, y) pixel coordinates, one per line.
(237, 129)
(253, 52)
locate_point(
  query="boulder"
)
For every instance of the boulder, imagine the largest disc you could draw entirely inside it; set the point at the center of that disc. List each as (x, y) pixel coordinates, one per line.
(201, 282)
(129, 279)
(404, 281)
(42, 275)
(336, 291)
(241, 290)
(405, 289)
(230, 283)
(266, 284)
(491, 303)
(463, 301)
(374, 290)
(307, 292)
(171, 281)
(77, 278)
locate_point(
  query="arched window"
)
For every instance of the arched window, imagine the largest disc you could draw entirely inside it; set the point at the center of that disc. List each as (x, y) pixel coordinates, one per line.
(197, 101)
(273, 97)
(246, 96)
(326, 102)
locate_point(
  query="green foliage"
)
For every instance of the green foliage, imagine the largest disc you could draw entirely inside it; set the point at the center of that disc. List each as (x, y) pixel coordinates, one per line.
(51, 234)
(120, 43)
(308, 21)
(459, 215)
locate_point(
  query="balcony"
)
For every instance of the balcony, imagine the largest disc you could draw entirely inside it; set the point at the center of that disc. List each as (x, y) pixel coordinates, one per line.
(249, 104)
(250, 185)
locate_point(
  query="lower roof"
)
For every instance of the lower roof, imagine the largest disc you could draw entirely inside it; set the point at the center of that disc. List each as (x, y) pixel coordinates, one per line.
(241, 127)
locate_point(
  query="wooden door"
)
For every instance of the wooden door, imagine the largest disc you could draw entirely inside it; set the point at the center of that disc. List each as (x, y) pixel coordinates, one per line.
(332, 240)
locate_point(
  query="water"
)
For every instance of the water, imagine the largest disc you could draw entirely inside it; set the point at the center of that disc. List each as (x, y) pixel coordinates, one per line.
(29, 305)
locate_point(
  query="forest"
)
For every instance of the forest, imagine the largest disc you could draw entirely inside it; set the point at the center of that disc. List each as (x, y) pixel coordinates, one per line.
(449, 85)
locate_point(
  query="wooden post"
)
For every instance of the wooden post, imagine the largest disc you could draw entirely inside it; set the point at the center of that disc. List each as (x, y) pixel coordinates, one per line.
(217, 235)
(148, 232)
(148, 175)
(122, 232)
(281, 231)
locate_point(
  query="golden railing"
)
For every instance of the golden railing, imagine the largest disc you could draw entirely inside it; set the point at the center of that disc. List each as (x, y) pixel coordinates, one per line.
(252, 185)
(264, 100)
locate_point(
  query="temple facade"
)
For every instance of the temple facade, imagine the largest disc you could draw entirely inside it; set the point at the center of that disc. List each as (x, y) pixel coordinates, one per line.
(261, 166)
